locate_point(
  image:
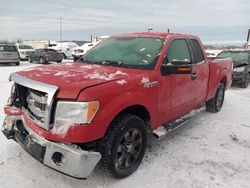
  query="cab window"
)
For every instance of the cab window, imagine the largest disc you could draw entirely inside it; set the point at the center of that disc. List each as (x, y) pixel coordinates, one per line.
(178, 50)
(199, 56)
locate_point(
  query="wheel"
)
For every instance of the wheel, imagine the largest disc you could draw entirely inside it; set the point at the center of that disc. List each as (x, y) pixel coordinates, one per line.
(17, 63)
(30, 60)
(124, 146)
(64, 56)
(59, 61)
(76, 58)
(215, 104)
(245, 83)
(42, 60)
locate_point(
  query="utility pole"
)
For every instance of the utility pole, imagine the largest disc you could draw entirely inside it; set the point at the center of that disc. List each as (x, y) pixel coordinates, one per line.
(60, 33)
(248, 35)
(60, 29)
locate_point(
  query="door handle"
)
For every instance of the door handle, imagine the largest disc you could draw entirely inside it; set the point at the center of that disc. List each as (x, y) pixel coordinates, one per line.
(193, 76)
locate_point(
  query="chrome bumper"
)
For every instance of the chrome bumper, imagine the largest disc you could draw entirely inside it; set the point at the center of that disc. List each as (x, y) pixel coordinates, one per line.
(66, 158)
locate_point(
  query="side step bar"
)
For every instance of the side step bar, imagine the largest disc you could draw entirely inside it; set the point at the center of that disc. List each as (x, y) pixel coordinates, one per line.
(167, 128)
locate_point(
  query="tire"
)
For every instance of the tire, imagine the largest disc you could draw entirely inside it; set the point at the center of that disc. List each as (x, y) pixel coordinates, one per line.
(42, 60)
(17, 63)
(124, 146)
(59, 61)
(76, 58)
(246, 82)
(64, 56)
(30, 60)
(215, 104)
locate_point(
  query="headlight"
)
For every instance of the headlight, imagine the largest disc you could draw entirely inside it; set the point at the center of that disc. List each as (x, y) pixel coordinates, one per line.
(239, 69)
(70, 113)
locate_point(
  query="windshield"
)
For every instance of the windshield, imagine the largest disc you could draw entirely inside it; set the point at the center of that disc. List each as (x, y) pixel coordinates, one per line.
(24, 47)
(236, 56)
(130, 52)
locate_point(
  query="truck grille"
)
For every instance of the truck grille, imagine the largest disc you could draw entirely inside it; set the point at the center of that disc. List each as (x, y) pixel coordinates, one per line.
(36, 98)
(36, 106)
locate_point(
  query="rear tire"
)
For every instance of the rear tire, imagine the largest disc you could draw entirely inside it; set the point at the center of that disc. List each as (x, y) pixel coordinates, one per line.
(246, 82)
(17, 63)
(124, 146)
(42, 60)
(215, 104)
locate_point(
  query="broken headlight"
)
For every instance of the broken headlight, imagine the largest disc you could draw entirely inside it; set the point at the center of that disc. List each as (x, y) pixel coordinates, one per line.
(70, 113)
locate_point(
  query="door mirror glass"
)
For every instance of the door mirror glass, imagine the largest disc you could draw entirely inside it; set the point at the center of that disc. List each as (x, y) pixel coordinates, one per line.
(180, 61)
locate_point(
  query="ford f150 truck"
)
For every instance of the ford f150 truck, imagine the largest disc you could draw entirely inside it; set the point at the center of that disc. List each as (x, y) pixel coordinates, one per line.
(100, 109)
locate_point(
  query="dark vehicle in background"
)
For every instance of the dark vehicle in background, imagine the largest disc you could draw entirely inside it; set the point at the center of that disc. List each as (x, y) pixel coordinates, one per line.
(9, 54)
(241, 60)
(44, 55)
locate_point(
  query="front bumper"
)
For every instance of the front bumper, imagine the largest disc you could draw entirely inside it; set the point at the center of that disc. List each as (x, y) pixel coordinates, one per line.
(66, 158)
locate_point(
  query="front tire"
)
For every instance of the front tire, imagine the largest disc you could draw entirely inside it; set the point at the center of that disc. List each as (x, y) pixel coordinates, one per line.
(215, 104)
(17, 63)
(124, 146)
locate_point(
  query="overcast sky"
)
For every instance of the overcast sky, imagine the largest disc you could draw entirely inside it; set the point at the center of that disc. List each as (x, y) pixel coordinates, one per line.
(212, 20)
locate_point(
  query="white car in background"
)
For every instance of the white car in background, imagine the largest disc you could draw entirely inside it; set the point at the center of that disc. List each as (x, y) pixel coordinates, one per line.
(213, 53)
(66, 48)
(79, 51)
(24, 51)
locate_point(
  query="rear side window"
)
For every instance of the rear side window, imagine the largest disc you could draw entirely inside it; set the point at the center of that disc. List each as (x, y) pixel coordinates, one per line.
(198, 51)
(7, 48)
(178, 50)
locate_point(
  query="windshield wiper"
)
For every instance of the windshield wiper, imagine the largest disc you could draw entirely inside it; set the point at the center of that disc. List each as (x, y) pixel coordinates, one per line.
(114, 63)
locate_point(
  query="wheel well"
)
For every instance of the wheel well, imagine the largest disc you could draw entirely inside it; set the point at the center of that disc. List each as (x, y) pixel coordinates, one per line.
(139, 111)
(136, 110)
(224, 81)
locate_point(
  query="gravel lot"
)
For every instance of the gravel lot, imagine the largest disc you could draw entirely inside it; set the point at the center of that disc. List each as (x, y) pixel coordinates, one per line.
(210, 150)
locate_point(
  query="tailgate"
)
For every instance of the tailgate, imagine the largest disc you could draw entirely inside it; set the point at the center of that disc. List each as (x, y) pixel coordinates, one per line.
(8, 55)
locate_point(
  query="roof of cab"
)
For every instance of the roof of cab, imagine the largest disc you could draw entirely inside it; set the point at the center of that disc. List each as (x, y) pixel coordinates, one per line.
(154, 34)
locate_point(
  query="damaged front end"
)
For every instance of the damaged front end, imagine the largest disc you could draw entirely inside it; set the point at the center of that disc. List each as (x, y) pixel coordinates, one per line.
(35, 103)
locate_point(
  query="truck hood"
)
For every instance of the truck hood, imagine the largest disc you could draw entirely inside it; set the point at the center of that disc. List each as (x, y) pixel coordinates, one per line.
(71, 78)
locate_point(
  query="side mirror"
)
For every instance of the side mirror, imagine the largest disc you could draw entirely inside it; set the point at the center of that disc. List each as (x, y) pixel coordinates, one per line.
(167, 69)
(180, 61)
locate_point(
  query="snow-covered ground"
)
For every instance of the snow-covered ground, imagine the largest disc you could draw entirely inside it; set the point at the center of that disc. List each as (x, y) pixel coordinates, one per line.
(210, 150)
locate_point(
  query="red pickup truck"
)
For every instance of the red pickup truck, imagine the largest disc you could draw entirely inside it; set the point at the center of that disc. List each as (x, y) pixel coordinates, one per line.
(101, 108)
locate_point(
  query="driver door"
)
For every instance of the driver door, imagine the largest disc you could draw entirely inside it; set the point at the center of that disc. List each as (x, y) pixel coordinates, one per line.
(177, 95)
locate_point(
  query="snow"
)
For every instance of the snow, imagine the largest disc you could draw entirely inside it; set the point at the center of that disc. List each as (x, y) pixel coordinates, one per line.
(141, 50)
(121, 82)
(61, 73)
(210, 150)
(145, 80)
(104, 76)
